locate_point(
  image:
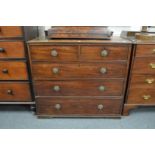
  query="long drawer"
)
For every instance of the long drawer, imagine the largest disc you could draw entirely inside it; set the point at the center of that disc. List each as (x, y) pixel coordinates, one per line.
(12, 49)
(78, 106)
(43, 71)
(10, 31)
(106, 87)
(15, 91)
(13, 70)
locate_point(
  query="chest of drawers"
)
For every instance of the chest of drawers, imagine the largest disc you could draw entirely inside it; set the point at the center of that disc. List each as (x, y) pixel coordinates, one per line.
(79, 77)
(141, 90)
(15, 82)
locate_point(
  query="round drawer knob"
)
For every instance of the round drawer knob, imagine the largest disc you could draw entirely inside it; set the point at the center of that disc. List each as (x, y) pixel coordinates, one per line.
(55, 70)
(2, 50)
(10, 92)
(100, 106)
(54, 53)
(56, 88)
(103, 70)
(5, 71)
(104, 53)
(101, 88)
(57, 106)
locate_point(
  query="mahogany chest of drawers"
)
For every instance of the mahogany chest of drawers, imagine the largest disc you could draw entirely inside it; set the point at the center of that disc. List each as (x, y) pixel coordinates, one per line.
(79, 77)
(141, 89)
(15, 83)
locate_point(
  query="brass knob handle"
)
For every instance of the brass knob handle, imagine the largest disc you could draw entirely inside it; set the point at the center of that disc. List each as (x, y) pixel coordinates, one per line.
(152, 65)
(10, 92)
(100, 106)
(104, 53)
(2, 50)
(101, 88)
(54, 53)
(5, 71)
(57, 106)
(55, 70)
(149, 81)
(103, 70)
(153, 51)
(146, 97)
(56, 88)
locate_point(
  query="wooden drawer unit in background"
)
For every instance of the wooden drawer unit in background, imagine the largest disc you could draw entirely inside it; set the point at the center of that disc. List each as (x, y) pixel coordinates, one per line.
(15, 81)
(79, 77)
(141, 90)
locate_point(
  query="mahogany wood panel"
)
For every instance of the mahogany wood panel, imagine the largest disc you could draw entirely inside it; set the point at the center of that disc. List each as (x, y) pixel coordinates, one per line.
(12, 49)
(77, 106)
(10, 31)
(44, 53)
(94, 53)
(13, 70)
(144, 66)
(106, 87)
(15, 91)
(145, 50)
(43, 71)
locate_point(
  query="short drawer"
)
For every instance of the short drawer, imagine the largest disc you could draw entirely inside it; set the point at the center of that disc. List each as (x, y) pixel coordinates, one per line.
(10, 31)
(78, 106)
(13, 70)
(12, 49)
(43, 71)
(102, 53)
(80, 88)
(145, 50)
(15, 91)
(54, 53)
(144, 66)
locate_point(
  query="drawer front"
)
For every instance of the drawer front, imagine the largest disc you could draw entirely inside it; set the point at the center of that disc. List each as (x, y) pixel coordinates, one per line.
(147, 80)
(13, 70)
(15, 91)
(102, 53)
(75, 107)
(141, 94)
(10, 31)
(79, 88)
(145, 50)
(144, 66)
(14, 49)
(84, 70)
(54, 53)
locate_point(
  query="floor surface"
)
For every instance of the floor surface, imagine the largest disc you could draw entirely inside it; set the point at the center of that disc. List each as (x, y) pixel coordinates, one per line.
(17, 117)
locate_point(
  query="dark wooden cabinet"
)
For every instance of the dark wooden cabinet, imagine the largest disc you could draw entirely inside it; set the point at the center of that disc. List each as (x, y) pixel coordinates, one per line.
(141, 88)
(15, 77)
(79, 77)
